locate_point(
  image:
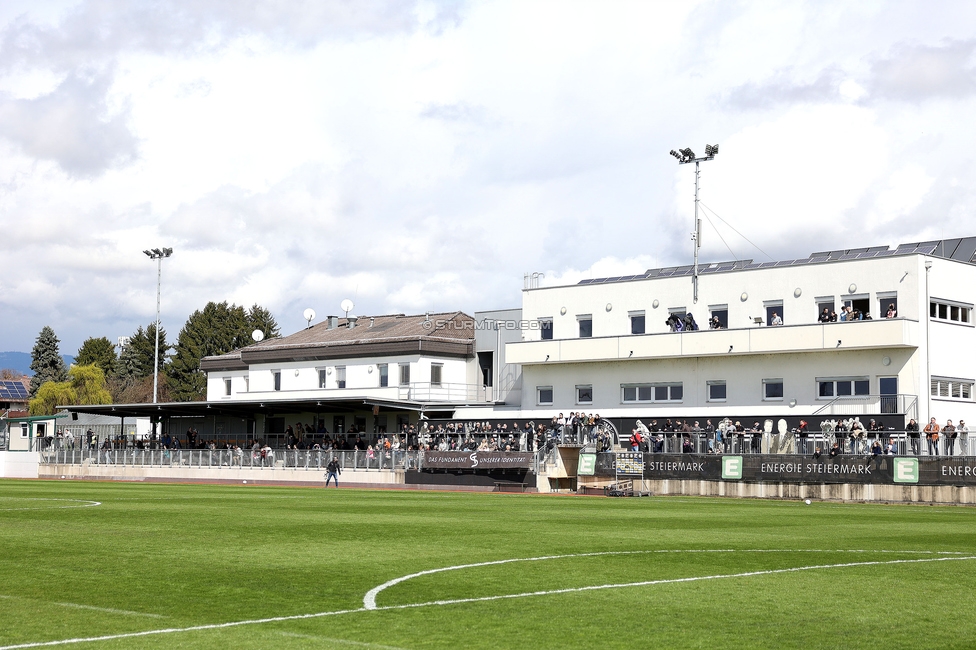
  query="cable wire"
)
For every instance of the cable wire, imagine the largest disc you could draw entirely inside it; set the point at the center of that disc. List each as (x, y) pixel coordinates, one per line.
(736, 231)
(709, 219)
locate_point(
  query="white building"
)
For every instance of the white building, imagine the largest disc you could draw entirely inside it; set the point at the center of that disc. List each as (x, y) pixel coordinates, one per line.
(603, 345)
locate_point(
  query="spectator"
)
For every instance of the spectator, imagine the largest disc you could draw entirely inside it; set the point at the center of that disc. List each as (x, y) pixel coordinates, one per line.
(931, 432)
(834, 450)
(949, 434)
(825, 316)
(913, 436)
(776, 320)
(963, 432)
(332, 472)
(892, 312)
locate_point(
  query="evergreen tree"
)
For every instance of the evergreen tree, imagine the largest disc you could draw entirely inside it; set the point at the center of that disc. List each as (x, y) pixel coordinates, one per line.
(99, 352)
(259, 318)
(46, 360)
(138, 356)
(217, 329)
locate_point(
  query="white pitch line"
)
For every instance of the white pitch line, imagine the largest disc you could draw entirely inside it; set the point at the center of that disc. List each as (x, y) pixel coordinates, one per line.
(369, 600)
(645, 583)
(107, 610)
(360, 644)
(85, 503)
(276, 619)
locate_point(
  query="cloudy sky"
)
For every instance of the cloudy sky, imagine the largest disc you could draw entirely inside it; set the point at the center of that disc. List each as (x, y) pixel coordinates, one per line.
(424, 156)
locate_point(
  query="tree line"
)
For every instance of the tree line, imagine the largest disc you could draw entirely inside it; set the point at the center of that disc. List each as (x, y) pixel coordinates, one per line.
(102, 376)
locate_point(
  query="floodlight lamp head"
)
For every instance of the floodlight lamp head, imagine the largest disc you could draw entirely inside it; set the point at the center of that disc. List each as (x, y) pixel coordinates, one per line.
(149, 253)
(167, 252)
(157, 252)
(688, 152)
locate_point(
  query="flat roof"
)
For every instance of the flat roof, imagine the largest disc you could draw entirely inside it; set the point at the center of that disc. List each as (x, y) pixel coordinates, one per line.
(961, 250)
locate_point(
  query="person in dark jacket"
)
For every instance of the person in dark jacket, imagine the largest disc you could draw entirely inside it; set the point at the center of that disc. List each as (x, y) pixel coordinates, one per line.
(332, 472)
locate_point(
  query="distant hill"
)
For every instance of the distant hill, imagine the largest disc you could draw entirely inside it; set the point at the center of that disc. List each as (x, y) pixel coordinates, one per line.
(20, 361)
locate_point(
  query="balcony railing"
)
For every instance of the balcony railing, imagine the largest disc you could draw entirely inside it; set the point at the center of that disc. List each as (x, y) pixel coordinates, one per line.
(906, 405)
(431, 392)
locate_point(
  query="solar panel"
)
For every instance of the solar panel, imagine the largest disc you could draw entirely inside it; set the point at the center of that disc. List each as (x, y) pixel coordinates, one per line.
(867, 254)
(926, 249)
(726, 267)
(12, 391)
(586, 281)
(877, 249)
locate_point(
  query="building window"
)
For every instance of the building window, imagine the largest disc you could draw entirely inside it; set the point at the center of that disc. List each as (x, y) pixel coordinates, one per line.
(651, 393)
(774, 313)
(887, 302)
(825, 302)
(227, 386)
(277, 379)
(719, 315)
(545, 326)
(637, 392)
(828, 388)
(773, 390)
(247, 383)
(436, 370)
(716, 391)
(637, 322)
(322, 377)
(543, 395)
(585, 326)
(960, 389)
(584, 394)
(404, 374)
(340, 376)
(384, 371)
(668, 392)
(951, 312)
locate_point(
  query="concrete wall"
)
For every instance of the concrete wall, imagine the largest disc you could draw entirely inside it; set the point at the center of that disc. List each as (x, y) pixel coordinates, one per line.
(19, 464)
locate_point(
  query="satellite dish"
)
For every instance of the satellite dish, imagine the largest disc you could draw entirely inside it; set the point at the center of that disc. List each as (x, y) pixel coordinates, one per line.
(257, 335)
(309, 315)
(346, 306)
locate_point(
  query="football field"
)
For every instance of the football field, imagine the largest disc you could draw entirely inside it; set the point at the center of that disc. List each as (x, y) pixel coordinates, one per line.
(132, 565)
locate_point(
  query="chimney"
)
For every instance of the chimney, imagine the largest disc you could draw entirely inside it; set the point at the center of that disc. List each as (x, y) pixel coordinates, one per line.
(371, 319)
(351, 321)
(333, 322)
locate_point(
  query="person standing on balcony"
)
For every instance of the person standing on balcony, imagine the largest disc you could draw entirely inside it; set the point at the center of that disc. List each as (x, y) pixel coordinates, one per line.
(949, 433)
(931, 432)
(913, 436)
(963, 432)
(776, 320)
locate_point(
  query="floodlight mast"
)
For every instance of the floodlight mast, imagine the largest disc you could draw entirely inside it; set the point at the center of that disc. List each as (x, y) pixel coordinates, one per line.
(158, 255)
(685, 156)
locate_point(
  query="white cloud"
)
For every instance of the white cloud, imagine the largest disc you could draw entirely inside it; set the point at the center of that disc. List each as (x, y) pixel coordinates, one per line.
(423, 156)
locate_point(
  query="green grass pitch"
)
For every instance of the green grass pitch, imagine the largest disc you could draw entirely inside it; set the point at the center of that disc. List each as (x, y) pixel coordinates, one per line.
(240, 566)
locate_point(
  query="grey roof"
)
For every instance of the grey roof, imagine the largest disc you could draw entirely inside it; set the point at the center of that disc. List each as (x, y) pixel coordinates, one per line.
(960, 250)
(447, 328)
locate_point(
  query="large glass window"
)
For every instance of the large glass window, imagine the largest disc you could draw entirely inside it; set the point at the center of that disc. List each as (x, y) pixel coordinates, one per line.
(829, 387)
(960, 389)
(404, 374)
(435, 373)
(951, 312)
(637, 392)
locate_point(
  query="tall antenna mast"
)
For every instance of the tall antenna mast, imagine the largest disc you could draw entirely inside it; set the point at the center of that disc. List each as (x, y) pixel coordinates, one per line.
(684, 157)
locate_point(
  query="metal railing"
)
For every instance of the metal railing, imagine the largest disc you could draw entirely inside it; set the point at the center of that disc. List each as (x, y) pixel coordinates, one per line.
(233, 458)
(900, 404)
(430, 392)
(805, 444)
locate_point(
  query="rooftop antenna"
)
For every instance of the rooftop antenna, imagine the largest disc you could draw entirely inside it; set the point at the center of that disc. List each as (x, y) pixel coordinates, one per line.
(309, 315)
(347, 306)
(685, 156)
(258, 335)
